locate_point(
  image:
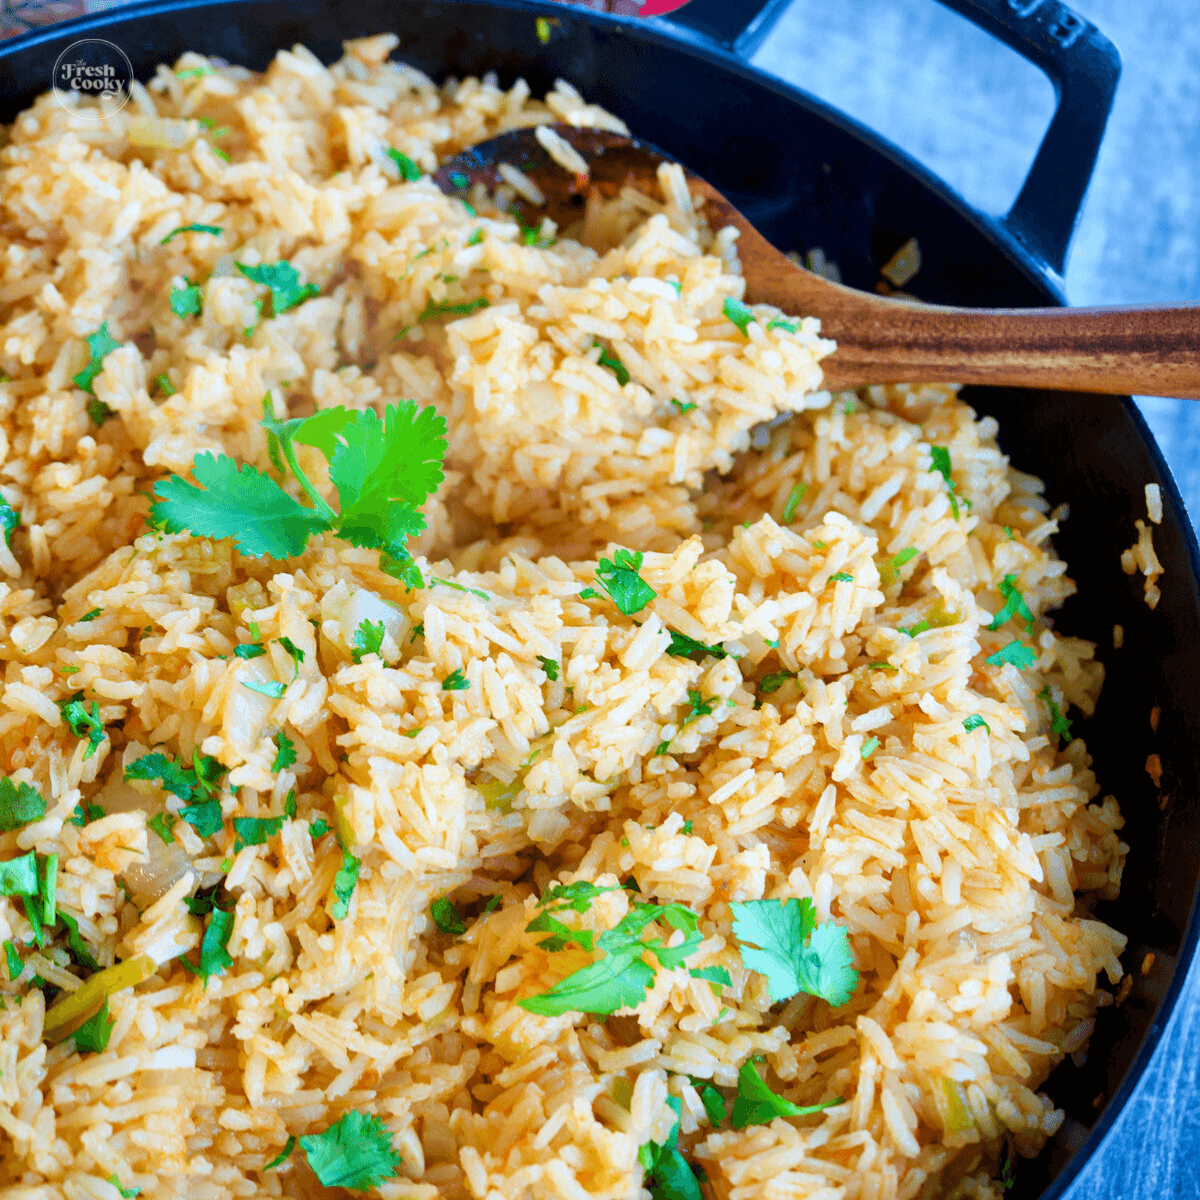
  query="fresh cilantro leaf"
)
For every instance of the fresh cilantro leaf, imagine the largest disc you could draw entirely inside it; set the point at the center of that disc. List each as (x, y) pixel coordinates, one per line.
(254, 831)
(409, 171)
(214, 957)
(776, 680)
(186, 301)
(562, 935)
(129, 1193)
(204, 818)
(590, 594)
(619, 577)
(75, 941)
(294, 653)
(711, 1098)
(475, 238)
(344, 883)
(684, 409)
(239, 503)
(282, 1156)
(84, 813)
(207, 772)
(163, 823)
(319, 828)
(384, 471)
(756, 1104)
(738, 313)
(20, 803)
(458, 587)
(794, 955)
(355, 1152)
(272, 688)
(284, 282)
(913, 630)
(699, 707)
(164, 385)
(891, 569)
(1014, 605)
(204, 901)
(550, 667)
(249, 650)
(577, 896)
(446, 918)
(1058, 722)
(90, 616)
(368, 639)
(975, 721)
(661, 749)
(869, 747)
(793, 501)
(777, 323)
(9, 520)
(83, 723)
(289, 805)
(840, 577)
(92, 1036)
(1018, 653)
(614, 364)
(940, 462)
(98, 412)
(683, 646)
(177, 780)
(462, 308)
(883, 666)
(215, 230)
(668, 1173)
(455, 682)
(99, 345)
(285, 752)
(717, 976)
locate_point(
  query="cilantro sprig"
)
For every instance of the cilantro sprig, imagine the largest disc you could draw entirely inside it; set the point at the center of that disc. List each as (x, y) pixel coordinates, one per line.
(619, 577)
(793, 951)
(756, 1104)
(383, 471)
(355, 1152)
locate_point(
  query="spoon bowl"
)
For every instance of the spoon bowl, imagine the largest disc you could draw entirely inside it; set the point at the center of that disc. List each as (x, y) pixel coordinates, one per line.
(1140, 349)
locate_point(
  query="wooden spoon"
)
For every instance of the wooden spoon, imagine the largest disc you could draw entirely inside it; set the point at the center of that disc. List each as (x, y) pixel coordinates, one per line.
(1142, 349)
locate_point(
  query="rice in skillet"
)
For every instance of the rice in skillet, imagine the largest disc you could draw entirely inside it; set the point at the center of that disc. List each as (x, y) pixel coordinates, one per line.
(351, 851)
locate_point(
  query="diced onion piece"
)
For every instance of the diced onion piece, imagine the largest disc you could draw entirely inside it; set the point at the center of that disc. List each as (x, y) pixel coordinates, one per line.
(72, 1011)
(161, 133)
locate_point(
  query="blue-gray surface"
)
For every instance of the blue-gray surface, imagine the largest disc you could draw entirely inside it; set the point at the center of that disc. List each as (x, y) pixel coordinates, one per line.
(974, 112)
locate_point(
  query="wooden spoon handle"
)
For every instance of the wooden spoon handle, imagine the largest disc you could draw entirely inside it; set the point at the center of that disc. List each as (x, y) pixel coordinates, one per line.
(1141, 351)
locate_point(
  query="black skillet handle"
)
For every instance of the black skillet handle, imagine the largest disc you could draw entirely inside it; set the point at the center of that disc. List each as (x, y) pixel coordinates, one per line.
(1083, 65)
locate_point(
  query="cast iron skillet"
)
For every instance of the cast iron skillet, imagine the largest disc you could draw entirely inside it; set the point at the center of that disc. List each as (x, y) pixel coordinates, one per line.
(808, 176)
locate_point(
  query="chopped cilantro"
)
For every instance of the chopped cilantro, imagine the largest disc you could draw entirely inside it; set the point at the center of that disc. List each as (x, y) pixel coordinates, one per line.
(83, 723)
(272, 688)
(458, 587)
(687, 829)
(202, 778)
(285, 752)
(98, 412)
(1018, 653)
(355, 1152)
(446, 918)
(621, 978)
(711, 1098)
(319, 828)
(128, 1193)
(284, 283)
(90, 616)
(283, 1155)
(661, 749)
(869, 747)
(99, 344)
(9, 520)
(1014, 605)
(699, 707)
(683, 646)
(684, 409)
(20, 803)
(975, 721)
(772, 683)
(619, 577)
(793, 501)
(214, 957)
(614, 364)
(777, 323)
(204, 818)
(78, 946)
(163, 823)
(94, 1033)
(1012, 537)
(891, 569)
(668, 1173)
(456, 681)
(294, 653)
(841, 577)
(738, 313)
(215, 230)
(12, 960)
(249, 650)
(254, 831)
(84, 813)
(418, 631)
(793, 951)
(195, 72)
(883, 666)
(186, 301)
(475, 238)
(461, 309)
(550, 667)
(368, 639)
(344, 883)
(409, 171)
(1058, 722)
(940, 462)
(756, 1104)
